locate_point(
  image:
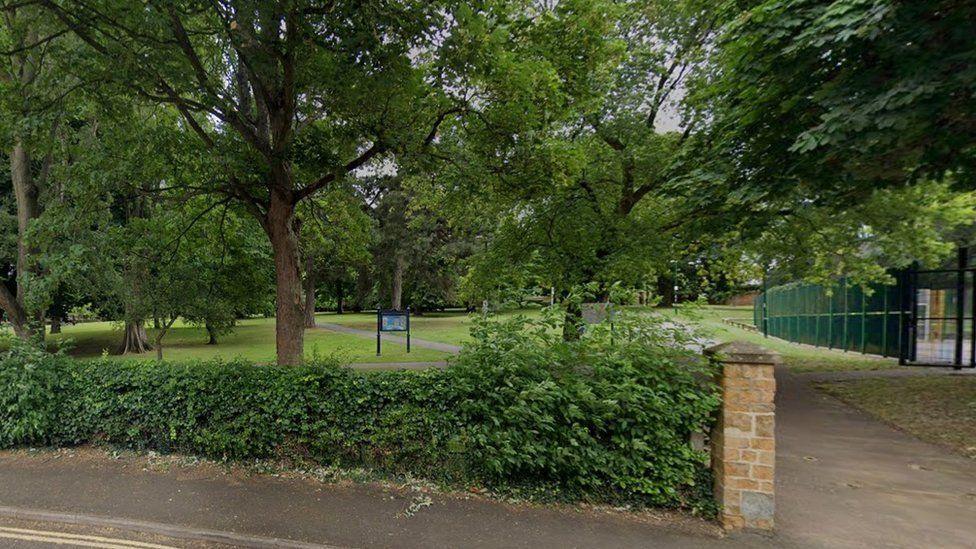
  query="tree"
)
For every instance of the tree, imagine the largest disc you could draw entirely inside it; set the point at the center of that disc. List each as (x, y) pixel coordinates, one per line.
(337, 236)
(889, 230)
(32, 109)
(840, 130)
(835, 99)
(205, 265)
(586, 141)
(117, 237)
(289, 97)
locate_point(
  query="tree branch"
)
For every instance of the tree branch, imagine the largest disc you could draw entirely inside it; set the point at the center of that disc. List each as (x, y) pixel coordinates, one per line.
(310, 189)
(437, 123)
(40, 42)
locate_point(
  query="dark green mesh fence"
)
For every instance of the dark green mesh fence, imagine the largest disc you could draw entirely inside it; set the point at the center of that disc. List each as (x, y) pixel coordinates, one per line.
(849, 317)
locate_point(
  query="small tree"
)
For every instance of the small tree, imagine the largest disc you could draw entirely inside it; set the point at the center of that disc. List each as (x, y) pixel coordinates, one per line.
(336, 237)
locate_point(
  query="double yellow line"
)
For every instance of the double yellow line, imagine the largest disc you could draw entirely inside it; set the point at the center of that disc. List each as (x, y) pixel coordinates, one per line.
(77, 540)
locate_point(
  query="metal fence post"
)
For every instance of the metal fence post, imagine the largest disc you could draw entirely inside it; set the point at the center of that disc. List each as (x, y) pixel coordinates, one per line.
(884, 325)
(902, 308)
(864, 319)
(846, 315)
(816, 316)
(765, 307)
(960, 306)
(913, 320)
(972, 320)
(830, 323)
(796, 313)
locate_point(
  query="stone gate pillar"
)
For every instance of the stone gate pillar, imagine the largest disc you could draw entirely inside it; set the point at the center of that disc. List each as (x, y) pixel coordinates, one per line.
(743, 440)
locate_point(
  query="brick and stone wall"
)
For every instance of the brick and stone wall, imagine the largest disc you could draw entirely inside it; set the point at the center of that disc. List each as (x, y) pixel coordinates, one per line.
(743, 440)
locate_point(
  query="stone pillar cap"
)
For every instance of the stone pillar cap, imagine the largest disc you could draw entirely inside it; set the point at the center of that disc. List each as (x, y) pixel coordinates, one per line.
(742, 352)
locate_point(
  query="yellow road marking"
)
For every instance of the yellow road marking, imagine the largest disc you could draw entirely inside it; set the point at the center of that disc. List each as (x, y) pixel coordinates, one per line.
(80, 540)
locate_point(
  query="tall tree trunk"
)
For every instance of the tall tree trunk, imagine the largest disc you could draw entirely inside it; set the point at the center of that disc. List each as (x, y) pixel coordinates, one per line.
(364, 286)
(396, 291)
(289, 310)
(309, 292)
(665, 289)
(24, 66)
(26, 194)
(134, 338)
(15, 313)
(340, 298)
(211, 334)
(58, 312)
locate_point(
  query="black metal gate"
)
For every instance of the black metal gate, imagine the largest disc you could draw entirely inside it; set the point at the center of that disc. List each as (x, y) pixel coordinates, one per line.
(941, 311)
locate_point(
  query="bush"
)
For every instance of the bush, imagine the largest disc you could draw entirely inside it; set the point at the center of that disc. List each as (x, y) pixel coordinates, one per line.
(520, 409)
(227, 410)
(608, 416)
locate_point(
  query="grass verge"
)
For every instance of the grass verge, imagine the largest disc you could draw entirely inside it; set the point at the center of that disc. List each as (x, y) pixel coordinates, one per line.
(798, 358)
(940, 409)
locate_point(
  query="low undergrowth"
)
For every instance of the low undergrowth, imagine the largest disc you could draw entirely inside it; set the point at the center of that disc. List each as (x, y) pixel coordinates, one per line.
(520, 412)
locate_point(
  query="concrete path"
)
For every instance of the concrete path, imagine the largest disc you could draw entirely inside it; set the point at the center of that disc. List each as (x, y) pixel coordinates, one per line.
(207, 505)
(426, 344)
(847, 480)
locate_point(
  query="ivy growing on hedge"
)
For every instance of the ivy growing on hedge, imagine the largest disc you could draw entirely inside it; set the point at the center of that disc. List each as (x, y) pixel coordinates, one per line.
(519, 408)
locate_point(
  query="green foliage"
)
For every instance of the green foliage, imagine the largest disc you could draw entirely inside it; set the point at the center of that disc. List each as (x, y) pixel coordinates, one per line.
(848, 92)
(576, 164)
(609, 414)
(227, 410)
(521, 410)
(889, 229)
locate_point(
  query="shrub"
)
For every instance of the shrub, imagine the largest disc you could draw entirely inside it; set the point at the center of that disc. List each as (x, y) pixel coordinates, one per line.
(605, 418)
(609, 415)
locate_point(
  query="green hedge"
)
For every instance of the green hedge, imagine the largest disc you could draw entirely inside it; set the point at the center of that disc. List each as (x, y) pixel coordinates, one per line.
(518, 409)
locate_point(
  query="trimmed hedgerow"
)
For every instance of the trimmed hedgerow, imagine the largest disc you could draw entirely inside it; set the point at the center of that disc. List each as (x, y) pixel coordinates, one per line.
(602, 418)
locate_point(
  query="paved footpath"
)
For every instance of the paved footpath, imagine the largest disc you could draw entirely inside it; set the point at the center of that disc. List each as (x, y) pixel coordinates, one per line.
(204, 505)
(847, 480)
(844, 480)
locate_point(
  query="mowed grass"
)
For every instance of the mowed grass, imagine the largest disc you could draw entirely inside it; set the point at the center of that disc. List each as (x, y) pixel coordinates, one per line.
(799, 358)
(252, 339)
(452, 327)
(936, 408)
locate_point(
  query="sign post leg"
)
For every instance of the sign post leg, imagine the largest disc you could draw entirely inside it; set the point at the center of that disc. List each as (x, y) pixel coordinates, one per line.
(378, 320)
(408, 329)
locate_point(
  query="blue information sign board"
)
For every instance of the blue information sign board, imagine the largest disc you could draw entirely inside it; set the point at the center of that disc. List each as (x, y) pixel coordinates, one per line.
(392, 321)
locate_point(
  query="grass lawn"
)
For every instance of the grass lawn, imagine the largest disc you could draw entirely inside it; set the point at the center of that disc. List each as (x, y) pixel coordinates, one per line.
(799, 358)
(444, 327)
(936, 408)
(252, 339)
